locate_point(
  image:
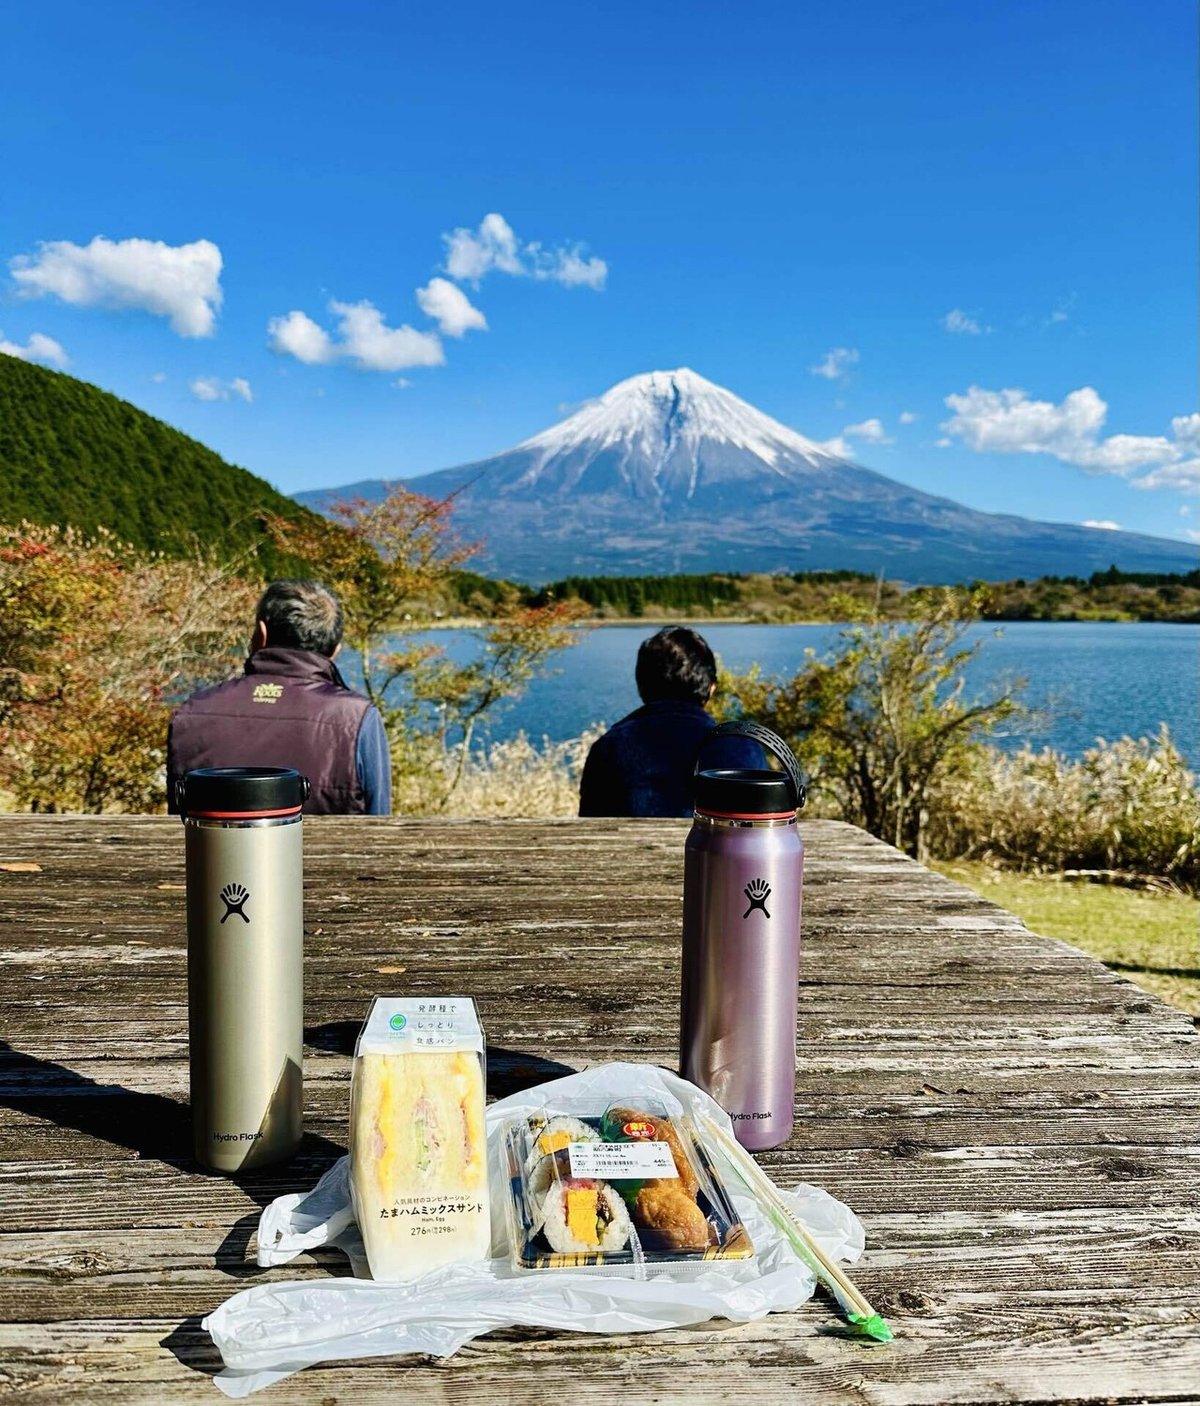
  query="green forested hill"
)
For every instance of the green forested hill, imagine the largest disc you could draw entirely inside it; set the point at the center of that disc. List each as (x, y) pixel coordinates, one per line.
(70, 453)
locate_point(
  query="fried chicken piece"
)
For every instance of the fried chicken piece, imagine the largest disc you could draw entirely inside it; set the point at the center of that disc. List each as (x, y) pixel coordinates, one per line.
(668, 1213)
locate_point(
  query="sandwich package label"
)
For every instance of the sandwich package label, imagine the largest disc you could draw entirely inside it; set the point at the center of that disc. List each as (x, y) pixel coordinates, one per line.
(408, 1024)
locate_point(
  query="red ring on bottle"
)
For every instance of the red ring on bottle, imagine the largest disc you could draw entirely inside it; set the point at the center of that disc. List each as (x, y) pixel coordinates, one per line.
(240, 814)
(734, 815)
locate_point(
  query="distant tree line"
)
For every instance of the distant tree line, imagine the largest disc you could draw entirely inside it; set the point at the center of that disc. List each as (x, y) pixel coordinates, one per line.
(841, 595)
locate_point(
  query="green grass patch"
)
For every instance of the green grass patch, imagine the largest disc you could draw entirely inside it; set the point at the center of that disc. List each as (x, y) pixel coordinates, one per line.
(1152, 938)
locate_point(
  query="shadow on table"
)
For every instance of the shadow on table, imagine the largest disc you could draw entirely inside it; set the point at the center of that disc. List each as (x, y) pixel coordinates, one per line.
(157, 1128)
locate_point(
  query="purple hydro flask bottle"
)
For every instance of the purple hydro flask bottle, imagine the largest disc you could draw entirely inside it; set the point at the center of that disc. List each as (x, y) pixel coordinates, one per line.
(743, 870)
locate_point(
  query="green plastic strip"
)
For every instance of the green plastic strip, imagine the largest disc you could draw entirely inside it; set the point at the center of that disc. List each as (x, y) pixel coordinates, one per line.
(871, 1327)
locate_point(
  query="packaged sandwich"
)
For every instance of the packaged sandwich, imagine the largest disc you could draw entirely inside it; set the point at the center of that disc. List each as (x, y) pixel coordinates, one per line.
(418, 1146)
(622, 1191)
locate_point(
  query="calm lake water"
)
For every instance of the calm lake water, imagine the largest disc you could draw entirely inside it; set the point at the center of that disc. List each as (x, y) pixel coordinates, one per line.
(1089, 679)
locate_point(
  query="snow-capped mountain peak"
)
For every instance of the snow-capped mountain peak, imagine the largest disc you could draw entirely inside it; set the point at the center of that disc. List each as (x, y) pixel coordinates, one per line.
(667, 428)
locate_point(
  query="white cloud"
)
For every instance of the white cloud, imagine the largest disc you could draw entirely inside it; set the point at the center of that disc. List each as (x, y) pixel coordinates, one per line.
(958, 321)
(494, 247)
(908, 417)
(450, 308)
(363, 338)
(1184, 476)
(38, 347)
(837, 363)
(1186, 429)
(469, 256)
(567, 266)
(1105, 523)
(1191, 534)
(1185, 510)
(299, 336)
(870, 431)
(373, 346)
(159, 377)
(180, 282)
(213, 388)
(402, 382)
(1008, 422)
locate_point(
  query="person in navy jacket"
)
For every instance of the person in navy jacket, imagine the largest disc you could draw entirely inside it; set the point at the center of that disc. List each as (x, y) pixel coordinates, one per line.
(642, 766)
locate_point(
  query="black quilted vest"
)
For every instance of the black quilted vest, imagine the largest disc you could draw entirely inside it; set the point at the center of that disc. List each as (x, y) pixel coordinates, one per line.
(290, 708)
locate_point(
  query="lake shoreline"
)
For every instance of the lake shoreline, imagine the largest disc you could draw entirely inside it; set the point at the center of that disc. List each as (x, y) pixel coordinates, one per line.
(696, 622)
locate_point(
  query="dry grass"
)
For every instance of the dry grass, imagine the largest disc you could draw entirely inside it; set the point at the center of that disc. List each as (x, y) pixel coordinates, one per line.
(513, 778)
(1129, 806)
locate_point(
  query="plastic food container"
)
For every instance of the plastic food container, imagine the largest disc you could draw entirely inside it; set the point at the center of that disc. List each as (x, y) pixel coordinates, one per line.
(626, 1191)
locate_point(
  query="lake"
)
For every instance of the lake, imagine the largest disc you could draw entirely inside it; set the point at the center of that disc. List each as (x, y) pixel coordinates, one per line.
(1090, 679)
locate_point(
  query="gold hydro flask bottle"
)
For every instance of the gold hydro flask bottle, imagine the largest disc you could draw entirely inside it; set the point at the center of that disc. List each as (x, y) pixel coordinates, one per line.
(245, 962)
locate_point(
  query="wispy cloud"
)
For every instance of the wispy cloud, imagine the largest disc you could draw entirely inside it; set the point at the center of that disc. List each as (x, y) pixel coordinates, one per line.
(213, 388)
(1009, 422)
(179, 282)
(869, 431)
(836, 364)
(908, 417)
(866, 431)
(363, 338)
(38, 347)
(1104, 523)
(964, 324)
(493, 247)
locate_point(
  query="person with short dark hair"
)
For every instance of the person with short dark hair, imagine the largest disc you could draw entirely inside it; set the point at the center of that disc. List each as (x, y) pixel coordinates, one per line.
(643, 765)
(291, 707)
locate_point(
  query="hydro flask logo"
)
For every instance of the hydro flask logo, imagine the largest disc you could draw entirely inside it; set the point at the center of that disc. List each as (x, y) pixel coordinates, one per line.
(234, 897)
(757, 891)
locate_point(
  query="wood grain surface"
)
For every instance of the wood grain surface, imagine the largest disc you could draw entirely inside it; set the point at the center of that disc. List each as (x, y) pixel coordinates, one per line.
(1015, 1124)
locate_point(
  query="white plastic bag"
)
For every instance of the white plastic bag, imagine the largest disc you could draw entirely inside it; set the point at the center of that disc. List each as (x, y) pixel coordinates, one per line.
(268, 1332)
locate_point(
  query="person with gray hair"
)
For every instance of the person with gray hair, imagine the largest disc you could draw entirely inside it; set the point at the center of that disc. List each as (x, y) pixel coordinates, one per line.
(291, 707)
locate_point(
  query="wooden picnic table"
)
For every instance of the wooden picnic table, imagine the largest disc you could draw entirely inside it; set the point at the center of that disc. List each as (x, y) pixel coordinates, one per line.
(1015, 1124)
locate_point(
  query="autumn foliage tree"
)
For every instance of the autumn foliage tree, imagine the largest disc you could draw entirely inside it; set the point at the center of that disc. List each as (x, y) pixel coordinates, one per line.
(884, 721)
(97, 642)
(391, 562)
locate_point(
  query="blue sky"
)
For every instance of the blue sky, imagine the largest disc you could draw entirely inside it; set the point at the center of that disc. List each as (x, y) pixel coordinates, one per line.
(992, 196)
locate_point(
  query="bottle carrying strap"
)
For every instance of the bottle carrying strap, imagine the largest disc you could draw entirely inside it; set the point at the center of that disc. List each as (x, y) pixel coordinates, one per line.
(765, 738)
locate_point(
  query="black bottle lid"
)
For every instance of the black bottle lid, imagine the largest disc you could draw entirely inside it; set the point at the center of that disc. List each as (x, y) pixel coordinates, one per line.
(241, 792)
(741, 793)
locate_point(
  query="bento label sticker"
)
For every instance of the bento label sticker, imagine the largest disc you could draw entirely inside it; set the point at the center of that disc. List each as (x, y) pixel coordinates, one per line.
(618, 1161)
(645, 1132)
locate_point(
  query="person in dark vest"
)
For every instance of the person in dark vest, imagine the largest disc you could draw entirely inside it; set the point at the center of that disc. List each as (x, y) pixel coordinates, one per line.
(643, 765)
(291, 707)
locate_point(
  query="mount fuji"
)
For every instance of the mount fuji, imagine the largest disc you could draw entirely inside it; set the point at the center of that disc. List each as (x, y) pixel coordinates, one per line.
(667, 472)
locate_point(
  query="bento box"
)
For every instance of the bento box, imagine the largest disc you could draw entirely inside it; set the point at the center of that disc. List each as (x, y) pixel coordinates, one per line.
(626, 1190)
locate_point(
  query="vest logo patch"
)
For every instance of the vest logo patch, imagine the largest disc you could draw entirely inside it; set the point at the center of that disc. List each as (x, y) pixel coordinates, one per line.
(268, 692)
